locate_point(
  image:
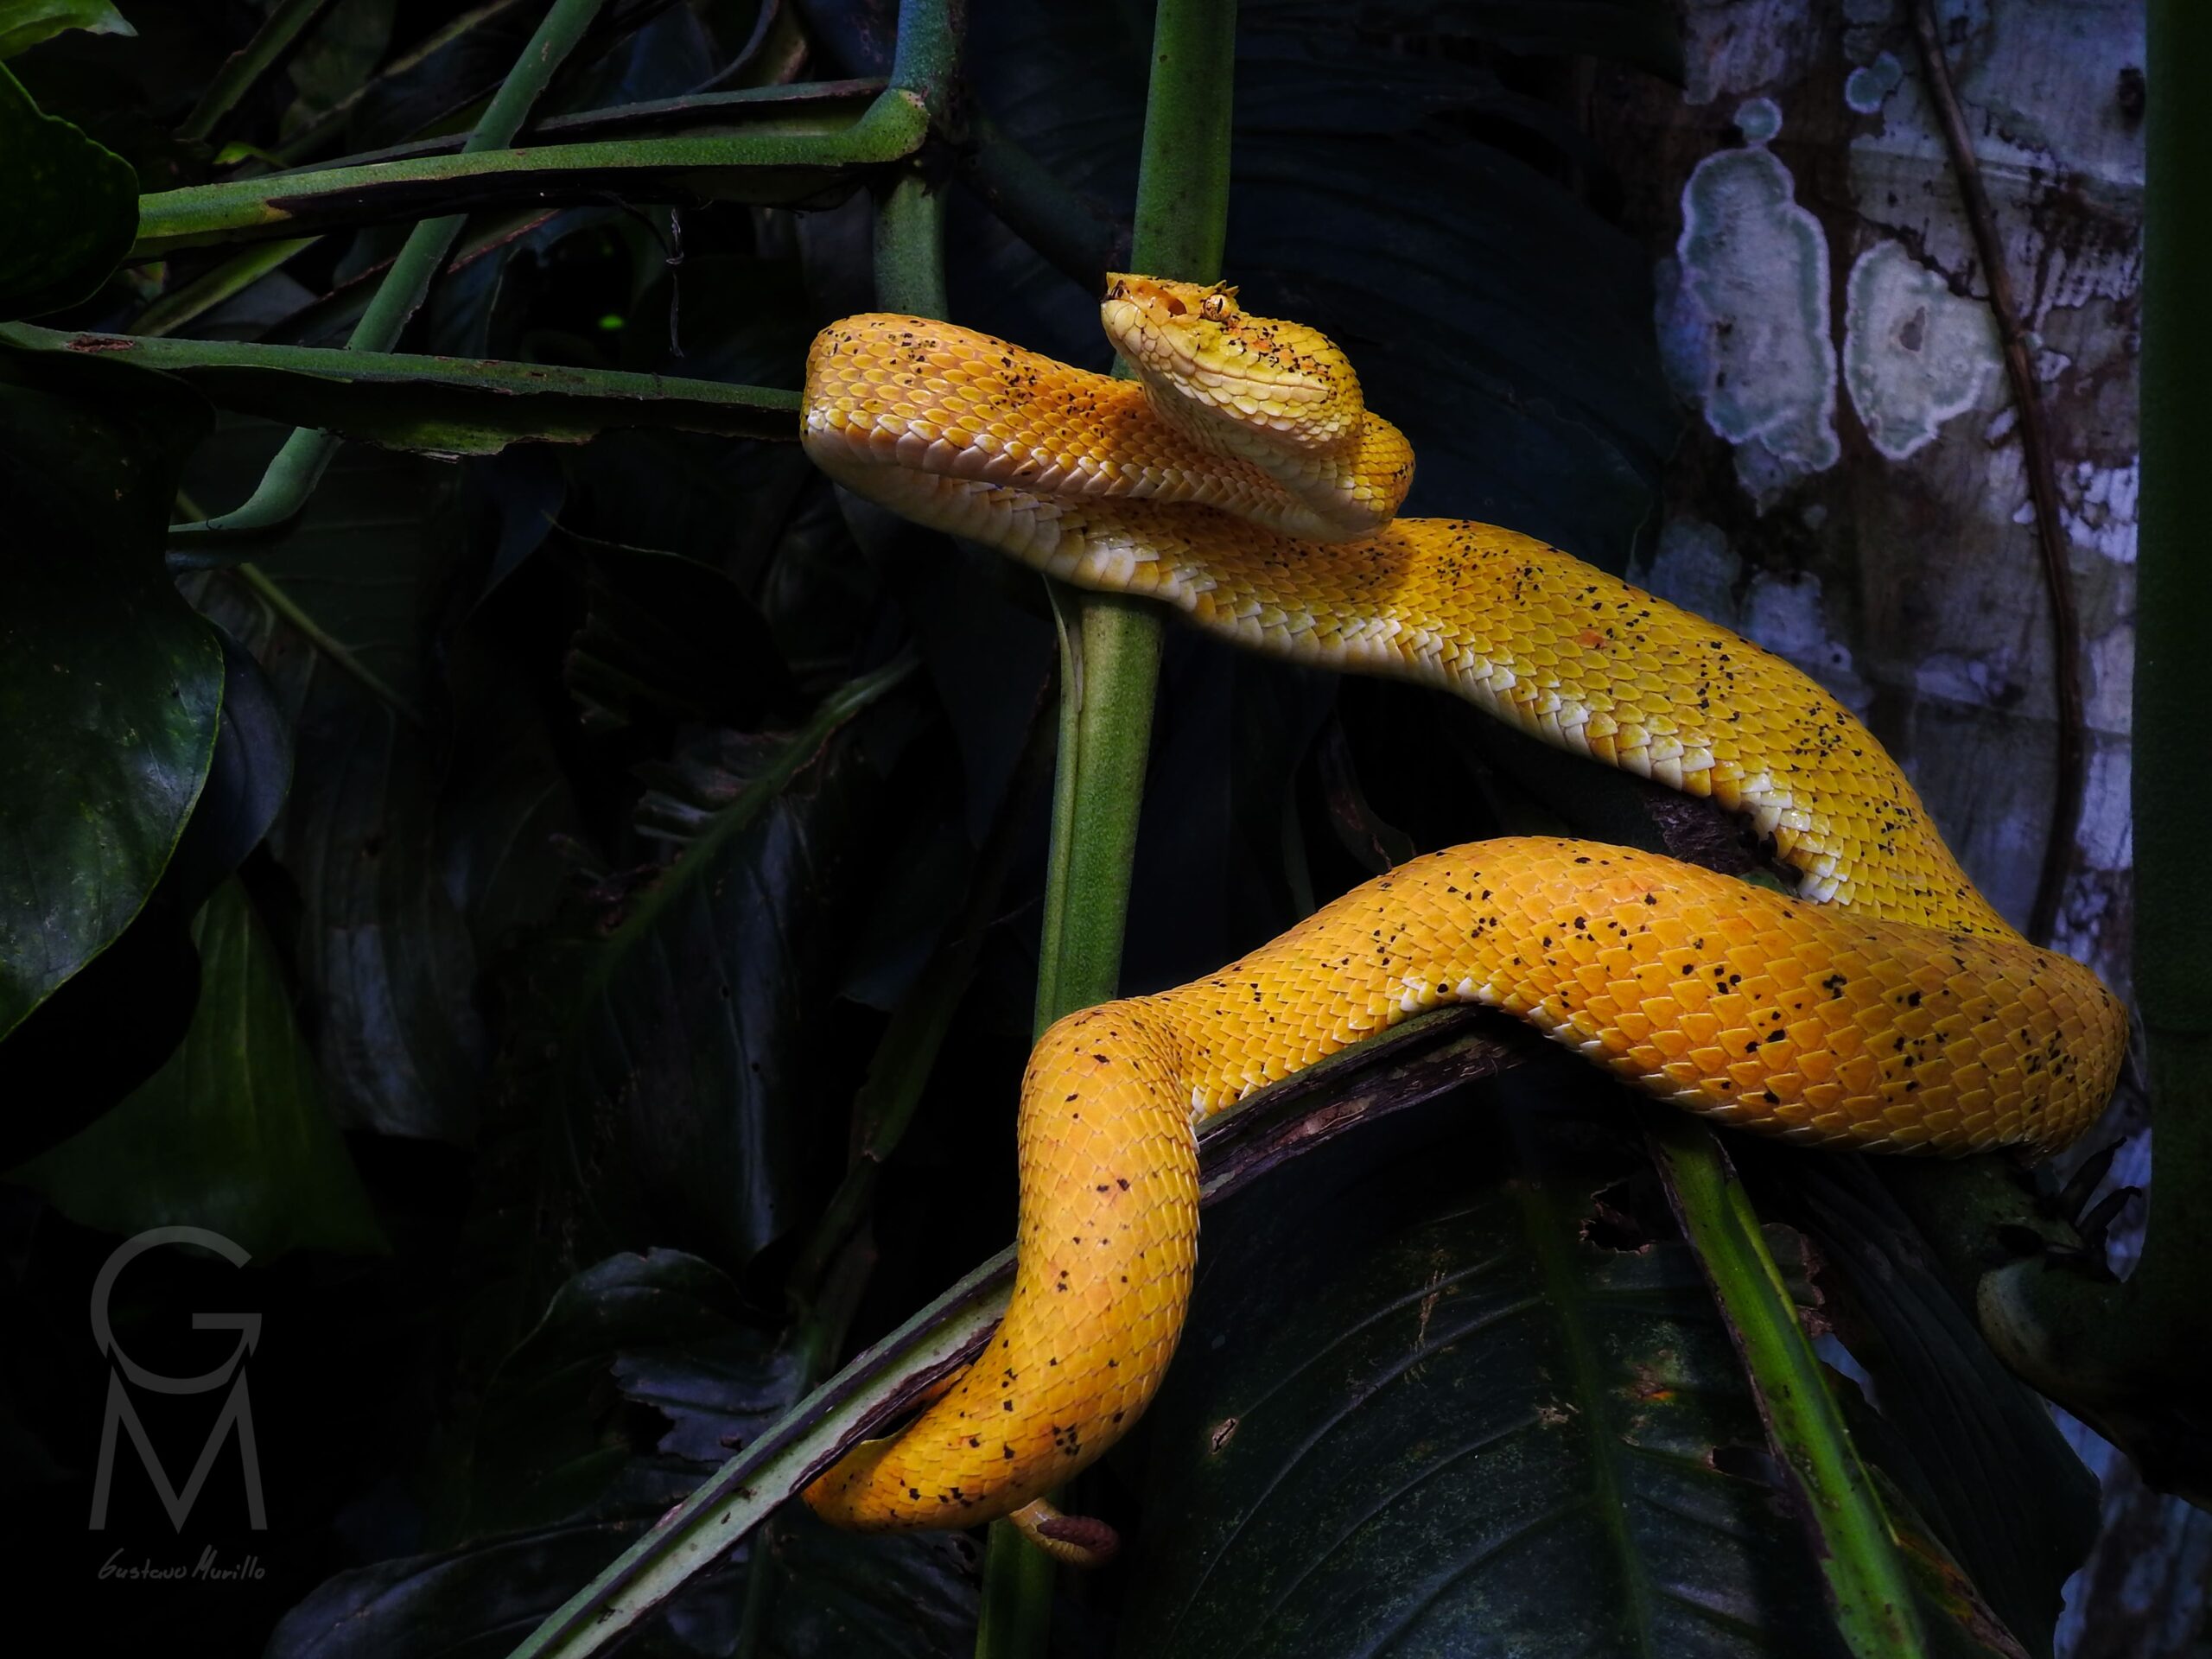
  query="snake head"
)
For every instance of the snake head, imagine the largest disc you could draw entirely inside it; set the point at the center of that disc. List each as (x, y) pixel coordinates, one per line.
(1194, 342)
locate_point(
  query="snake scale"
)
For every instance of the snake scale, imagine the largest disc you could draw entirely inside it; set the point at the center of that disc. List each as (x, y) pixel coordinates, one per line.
(1239, 477)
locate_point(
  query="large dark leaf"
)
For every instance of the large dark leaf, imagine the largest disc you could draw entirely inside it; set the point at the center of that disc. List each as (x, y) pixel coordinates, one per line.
(666, 635)
(553, 1434)
(906, 1597)
(683, 1059)
(383, 947)
(508, 803)
(24, 23)
(69, 206)
(232, 1133)
(1448, 1403)
(110, 688)
(639, 1382)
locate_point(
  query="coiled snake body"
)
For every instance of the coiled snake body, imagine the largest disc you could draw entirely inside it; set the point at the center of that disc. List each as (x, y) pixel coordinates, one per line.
(1240, 479)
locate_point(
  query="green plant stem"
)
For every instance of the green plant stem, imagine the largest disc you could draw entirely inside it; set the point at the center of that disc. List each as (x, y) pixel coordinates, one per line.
(291, 477)
(768, 163)
(909, 262)
(444, 406)
(1110, 659)
(910, 248)
(799, 149)
(1017, 1608)
(1181, 221)
(1868, 1587)
(827, 105)
(925, 65)
(204, 292)
(910, 277)
(242, 71)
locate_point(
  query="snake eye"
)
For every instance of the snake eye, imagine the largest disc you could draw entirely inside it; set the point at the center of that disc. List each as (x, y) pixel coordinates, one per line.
(1216, 305)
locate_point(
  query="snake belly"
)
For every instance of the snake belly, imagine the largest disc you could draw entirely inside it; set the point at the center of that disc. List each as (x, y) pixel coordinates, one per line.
(1886, 1007)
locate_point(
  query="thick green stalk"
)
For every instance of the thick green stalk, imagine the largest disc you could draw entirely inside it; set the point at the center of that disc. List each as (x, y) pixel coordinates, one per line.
(436, 405)
(1017, 1611)
(925, 66)
(909, 268)
(1181, 221)
(771, 162)
(1854, 1545)
(2173, 617)
(775, 159)
(2124, 1356)
(826, 106)
(292, 476)
(909, 277)
(1110, 659)
(910, 248)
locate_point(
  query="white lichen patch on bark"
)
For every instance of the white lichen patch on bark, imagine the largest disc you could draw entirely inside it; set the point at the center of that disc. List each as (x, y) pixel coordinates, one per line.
(1744, 313)
(1915, 354)
(1866, 88)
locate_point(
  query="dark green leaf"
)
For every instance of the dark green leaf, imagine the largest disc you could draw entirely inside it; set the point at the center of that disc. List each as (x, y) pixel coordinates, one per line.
(1447, 1404)
(683, 1083)
(672, 637)
(508, 802)
(152, 971)
(247, 781)
(110, 689)
(856, 1596)
(24, 23)
(337, 55)
(71, 208)
(663, 1327)
(232, 1133)
(639, 1380)
(471, 1604)
(382, 948)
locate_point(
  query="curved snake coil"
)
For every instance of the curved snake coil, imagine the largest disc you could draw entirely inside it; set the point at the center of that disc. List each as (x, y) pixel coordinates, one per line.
(1240, 479)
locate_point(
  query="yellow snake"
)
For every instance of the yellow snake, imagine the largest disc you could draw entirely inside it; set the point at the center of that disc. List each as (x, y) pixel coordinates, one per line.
(1239, 477)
